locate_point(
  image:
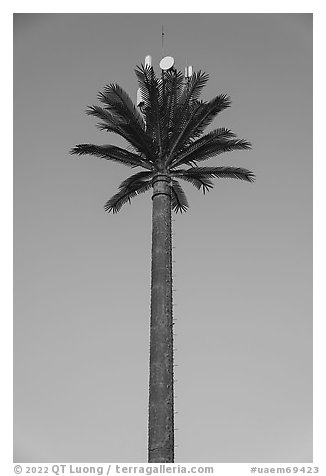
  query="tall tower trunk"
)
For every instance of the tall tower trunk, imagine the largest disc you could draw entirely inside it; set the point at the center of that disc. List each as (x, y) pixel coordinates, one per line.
(161, 413)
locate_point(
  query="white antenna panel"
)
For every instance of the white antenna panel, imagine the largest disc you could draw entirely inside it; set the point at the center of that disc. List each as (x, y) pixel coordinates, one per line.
(188, 71)
(148, 61)
(166, 63)
(140, 101)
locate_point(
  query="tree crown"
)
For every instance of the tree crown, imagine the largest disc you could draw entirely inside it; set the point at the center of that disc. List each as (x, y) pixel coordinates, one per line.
(165, 134)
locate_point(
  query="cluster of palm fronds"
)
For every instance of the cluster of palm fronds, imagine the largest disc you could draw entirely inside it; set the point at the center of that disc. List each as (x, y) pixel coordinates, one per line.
(168, 133)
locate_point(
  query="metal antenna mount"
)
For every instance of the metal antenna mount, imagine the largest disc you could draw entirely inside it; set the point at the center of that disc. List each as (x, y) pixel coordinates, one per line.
(162, 40)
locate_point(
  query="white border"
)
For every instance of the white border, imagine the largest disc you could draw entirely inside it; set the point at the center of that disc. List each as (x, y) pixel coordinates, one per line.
(6, 236)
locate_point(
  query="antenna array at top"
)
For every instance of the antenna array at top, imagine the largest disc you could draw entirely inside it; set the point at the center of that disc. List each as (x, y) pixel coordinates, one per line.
(166, 63)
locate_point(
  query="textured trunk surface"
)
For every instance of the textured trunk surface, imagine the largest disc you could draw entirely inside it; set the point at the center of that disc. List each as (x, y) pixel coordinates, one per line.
(161, 413)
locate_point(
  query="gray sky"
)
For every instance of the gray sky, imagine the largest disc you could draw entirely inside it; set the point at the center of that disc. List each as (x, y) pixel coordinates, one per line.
(243, 251)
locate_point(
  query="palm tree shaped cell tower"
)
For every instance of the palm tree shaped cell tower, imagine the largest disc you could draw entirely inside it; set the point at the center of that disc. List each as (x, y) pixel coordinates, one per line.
(167, 144)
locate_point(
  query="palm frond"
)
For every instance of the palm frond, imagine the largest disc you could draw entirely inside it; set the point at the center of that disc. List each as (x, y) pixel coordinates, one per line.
(216, 172)
(199, 116)
(186, 108)
(150, 89)
(105, 115)
(193, 88)
(221, 134)
(125, 195)
(201, 183)
(204, 149)
(170, 91)
(179, 200)
(144, 75)
(111, 152)
(136, 178)
(180, 125)
(119, 101)
(207, 113)
(112, 122)
(131, 123)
